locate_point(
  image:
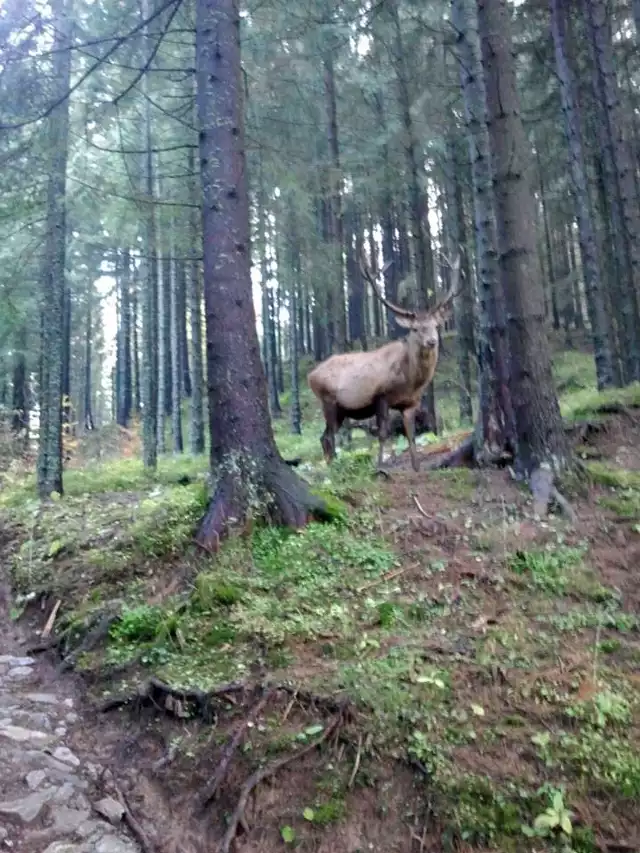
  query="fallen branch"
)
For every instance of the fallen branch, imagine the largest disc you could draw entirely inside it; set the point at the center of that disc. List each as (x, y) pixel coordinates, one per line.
(52, 618)
(265, 772)
(227, 754)
(419, 508)
(385, 577)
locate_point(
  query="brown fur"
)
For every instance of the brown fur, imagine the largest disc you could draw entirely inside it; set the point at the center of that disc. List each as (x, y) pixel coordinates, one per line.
(359, 385)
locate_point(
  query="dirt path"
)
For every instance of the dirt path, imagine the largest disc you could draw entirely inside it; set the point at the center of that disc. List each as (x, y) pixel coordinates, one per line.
(48, 793)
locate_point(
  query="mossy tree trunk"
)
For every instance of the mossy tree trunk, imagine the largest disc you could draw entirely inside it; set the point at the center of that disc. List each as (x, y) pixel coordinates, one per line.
(251, 477)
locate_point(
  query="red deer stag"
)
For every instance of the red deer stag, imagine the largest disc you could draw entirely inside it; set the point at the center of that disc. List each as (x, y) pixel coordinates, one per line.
(359, 385)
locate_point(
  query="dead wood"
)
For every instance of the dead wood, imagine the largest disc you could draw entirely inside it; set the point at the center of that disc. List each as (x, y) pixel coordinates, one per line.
(229, 750)
(238, 816)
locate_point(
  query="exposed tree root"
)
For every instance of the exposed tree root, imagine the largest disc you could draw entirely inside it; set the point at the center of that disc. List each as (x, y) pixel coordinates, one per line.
(136, 830)
(227, 754)
(238, 816)
(263, 487)
(544, 491)
(173, 700)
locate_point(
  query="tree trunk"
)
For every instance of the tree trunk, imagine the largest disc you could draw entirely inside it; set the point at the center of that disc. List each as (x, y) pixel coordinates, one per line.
(194, 296)
(355, 282)
(591, 266)
(183, 346)
(295, 326)
(624, 181)
(149, 356)
(457, 240)
(135, 348)
(495, 429)
(20, 383)
(251, 477)
(177, 375)
(49, 469)
(87, 414)
(164, 339)
(541, 439)
(334, 199)
(124, 351)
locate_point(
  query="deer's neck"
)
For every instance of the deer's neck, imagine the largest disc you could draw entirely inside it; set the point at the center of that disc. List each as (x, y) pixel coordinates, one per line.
(422, 364)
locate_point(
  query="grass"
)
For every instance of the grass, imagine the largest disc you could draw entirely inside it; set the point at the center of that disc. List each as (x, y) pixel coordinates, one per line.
(500, 664)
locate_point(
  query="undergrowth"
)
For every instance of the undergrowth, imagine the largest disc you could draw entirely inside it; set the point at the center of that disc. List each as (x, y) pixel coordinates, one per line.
(500, 667)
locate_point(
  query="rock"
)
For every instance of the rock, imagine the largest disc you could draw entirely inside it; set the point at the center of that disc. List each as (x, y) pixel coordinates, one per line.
(60, 731)
(17, 733)
(18, 672)
(111, 809)
(72, 717)
(89, 827)
(66, 847)
(113, 844)
(63, 753)
(42, 698)
(27, 808)
(3, 833)
(35, 778)
(68, 702)
(10, 660)
(68, 820)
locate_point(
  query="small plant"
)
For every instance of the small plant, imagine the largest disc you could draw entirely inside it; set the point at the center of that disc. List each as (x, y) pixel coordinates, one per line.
(548, 568)
(556, 818)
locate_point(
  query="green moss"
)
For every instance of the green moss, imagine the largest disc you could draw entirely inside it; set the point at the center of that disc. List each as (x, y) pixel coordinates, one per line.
(589, 402)
(166, 520)
(609, 475)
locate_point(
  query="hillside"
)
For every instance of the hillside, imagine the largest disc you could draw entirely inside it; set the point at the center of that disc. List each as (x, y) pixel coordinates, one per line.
(435, 670)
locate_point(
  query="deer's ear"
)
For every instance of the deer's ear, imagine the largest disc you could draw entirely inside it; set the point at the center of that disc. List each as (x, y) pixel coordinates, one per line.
(405, 322)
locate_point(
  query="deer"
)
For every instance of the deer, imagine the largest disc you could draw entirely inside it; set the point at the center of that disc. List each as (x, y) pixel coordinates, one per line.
(361, 385)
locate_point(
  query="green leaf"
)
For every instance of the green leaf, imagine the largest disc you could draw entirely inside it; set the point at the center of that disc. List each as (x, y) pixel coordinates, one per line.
(56, 546)
(478, 710)
(558, 805)
(288, 834)
(314, 730)
(546, 821)
(565, 824)
(308, 813)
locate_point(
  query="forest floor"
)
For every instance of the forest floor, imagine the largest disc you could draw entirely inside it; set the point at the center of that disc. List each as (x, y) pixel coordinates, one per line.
(438, 669)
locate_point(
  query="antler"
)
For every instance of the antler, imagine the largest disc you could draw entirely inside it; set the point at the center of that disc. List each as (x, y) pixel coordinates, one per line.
(366, 272)
(453, 289)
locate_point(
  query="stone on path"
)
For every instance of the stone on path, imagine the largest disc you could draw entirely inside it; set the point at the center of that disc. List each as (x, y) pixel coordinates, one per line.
(21, 735)
(27, 808)
(63, 753)
(111, 809)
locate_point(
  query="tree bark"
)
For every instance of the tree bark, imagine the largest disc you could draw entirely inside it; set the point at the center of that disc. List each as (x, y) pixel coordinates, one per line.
(20, 388)
(541, 439)
(457, 239)
(194, 297)
(591, 265)
(49, 468)
(251, 477)
(624, 190)
(177, 375)
(149, 355)
(495, 428)
(87, 414)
